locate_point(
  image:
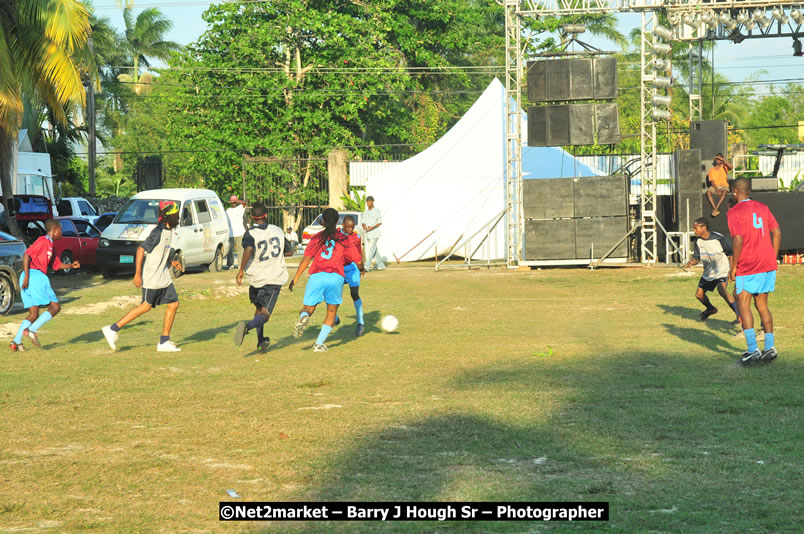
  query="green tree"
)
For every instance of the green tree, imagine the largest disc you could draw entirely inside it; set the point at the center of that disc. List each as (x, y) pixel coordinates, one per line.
(39, 40)
(145, 38)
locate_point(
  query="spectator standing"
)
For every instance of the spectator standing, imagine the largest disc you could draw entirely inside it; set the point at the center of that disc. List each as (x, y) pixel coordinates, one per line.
(372, 220)
(236, 214)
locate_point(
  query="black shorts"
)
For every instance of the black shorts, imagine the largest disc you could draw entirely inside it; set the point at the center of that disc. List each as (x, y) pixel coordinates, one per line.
(264, 297)
(711, 285)
(155, 297)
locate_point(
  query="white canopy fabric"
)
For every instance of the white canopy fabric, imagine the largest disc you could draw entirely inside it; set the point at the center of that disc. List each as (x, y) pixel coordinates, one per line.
(455, 188)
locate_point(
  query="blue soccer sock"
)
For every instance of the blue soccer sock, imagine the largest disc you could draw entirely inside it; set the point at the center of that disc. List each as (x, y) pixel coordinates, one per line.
(260, 334)
(114, 327)
(359, 310)
(257, 322)
(45, 317)
(164, 339)
(322, 336)
(769, 340)
(751, 339)
(25, 324)
(303, 314)
(733, 306)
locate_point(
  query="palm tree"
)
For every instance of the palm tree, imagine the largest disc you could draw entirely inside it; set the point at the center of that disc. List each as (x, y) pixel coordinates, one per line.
(39, 41)
(145, 38)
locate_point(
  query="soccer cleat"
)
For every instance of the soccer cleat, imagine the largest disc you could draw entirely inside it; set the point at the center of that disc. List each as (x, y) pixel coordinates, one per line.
(111, 336)
(707, 313)
(33, 337)
(361, 328)
(167, 346)
(747, 358)
(337, 321)
(301, 324)
(17, 348)
(320, 348)
(737, 321)
(262, 346)
(768, 355)
(240, 332)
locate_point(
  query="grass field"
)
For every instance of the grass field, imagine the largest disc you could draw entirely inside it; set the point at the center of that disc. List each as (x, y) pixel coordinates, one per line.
(552, 385)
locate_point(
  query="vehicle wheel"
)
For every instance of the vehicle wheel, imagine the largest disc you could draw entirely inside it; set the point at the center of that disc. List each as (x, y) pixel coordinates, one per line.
(107, 273)
(7, 294)
(174, 272)
(66, 259)
(217, 262)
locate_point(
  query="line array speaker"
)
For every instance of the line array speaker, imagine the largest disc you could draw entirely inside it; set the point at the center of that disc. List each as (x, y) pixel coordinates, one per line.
(561, 80)
(573, 124)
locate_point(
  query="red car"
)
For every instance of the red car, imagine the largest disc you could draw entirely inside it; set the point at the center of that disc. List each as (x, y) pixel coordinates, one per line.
(79, 240)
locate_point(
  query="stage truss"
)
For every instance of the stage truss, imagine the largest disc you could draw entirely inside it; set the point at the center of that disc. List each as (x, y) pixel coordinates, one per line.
(691, 20)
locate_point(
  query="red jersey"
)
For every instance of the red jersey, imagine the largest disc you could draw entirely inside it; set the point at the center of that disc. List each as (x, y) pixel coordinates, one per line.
(329, 257)
(41, 252)
(753, 221)
(355, 250)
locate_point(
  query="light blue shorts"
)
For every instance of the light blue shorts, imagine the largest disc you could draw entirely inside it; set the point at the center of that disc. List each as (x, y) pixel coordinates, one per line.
(756, 283)
(352, 275)
(323, 287)
(39, 292)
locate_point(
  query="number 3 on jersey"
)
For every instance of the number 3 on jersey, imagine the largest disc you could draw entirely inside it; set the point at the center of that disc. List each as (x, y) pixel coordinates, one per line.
(327, 254)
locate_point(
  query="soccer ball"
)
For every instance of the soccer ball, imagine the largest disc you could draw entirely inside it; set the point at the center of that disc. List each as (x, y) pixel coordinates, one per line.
(389, 323)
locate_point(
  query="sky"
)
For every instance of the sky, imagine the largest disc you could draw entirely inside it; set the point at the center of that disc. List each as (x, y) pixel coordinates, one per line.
(734, 61)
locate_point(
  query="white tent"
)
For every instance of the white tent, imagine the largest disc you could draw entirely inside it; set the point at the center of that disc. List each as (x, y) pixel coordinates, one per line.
(455, 188)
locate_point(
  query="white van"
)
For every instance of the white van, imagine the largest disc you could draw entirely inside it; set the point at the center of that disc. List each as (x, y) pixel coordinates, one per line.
(201, 239)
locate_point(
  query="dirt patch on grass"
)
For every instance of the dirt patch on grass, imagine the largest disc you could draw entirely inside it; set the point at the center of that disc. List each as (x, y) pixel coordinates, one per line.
(119, 302)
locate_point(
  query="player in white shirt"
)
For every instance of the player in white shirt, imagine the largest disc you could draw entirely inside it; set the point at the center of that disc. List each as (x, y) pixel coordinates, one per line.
(264, 251)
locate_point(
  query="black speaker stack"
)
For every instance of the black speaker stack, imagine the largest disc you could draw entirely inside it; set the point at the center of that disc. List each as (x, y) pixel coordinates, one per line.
(690, 180)
(562, 83)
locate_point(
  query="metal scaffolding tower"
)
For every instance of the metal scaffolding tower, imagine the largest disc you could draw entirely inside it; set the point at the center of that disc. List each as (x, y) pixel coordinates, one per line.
(513, 132)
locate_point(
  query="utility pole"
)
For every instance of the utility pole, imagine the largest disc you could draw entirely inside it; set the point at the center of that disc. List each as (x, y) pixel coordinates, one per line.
(91, 124)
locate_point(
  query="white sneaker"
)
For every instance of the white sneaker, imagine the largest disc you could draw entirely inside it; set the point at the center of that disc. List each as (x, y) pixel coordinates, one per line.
(320, 348)
(111, 336)
(167, 346)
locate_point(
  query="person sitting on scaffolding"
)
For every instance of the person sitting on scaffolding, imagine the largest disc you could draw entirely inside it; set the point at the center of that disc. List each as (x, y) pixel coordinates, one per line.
(718, 179)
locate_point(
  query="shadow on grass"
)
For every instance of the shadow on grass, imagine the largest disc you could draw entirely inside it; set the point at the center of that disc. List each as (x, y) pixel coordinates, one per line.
(211, 333)
(705, 338)
(96, 335)
(666, 438)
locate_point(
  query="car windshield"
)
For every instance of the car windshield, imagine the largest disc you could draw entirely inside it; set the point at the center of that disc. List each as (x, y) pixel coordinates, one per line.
(139, 211)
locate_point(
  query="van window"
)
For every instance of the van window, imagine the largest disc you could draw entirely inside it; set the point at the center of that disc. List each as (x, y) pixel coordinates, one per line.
(202, 211)
(67, 228)
(65, 207)
(187, 214)
(86, 208)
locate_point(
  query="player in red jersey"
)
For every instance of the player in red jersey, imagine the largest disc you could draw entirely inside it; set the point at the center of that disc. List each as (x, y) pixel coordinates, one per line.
(352, 271)
(756, 237)
(35, 285)
(325, 254)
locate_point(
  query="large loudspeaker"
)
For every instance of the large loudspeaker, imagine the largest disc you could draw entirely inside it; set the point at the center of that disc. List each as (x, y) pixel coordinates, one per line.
(711, 137)
(582, 124)
(550, 240)
(597, 235)
(561, 80)
(605, 78)
(600, 196)
(551, 198)
(689, 185)
(607, 124)
(691, 176)
(573, 124)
